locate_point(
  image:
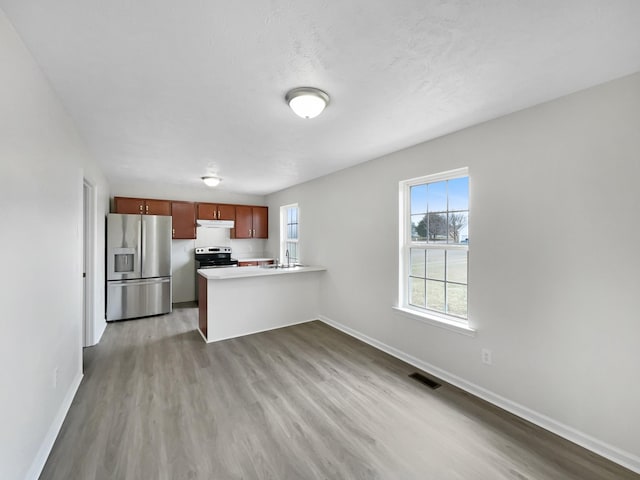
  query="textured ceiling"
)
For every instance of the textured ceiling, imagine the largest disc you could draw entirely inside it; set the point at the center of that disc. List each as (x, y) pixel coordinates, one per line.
(167, 91)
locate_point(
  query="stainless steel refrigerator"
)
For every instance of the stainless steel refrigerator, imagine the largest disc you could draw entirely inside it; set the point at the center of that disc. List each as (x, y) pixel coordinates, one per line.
(138, 265)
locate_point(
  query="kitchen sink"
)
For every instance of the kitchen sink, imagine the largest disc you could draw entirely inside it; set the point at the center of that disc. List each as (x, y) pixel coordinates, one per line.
(293, 265)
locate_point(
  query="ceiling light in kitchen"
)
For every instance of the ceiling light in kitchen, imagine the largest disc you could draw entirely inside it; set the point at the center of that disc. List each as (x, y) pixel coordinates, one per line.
(211, 181)
(307, 102)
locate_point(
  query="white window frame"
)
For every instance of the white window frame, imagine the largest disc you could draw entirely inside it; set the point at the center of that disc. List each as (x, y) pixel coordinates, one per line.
(284, 239)
(406, 243)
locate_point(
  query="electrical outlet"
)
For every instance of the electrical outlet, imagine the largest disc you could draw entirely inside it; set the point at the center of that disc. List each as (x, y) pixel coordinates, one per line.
(55, 377)
(486, 356)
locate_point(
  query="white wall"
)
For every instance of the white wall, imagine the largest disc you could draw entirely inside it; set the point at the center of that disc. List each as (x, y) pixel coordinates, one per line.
(42, 164)
(553, 266)
(182, 264)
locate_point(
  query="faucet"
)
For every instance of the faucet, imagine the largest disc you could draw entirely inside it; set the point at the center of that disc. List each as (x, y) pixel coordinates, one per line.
(286, 253)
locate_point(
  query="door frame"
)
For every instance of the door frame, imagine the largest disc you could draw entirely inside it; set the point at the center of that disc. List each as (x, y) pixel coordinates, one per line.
(88, 261)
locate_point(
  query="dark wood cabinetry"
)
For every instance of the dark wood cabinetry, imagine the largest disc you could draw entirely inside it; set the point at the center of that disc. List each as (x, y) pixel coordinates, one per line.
(184, 220)
(252, 222)
(213, 211)
(260, 222)
(254, 263)
(142, 206)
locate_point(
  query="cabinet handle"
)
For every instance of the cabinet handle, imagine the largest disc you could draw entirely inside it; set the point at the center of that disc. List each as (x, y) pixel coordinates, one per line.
(249, 232)
(147, 209)
(174, 231)
(140, 208)
(218, 214)
(254, 233)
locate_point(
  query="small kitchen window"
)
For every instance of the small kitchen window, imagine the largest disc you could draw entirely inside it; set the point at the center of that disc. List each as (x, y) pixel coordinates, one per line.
(290, 233)
(434, 256)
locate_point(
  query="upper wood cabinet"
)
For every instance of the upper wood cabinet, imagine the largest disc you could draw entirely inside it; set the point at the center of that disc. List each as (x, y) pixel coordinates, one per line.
(213, 211)
(260, 222)
(184, 220)
(142, 206)
(252, 222)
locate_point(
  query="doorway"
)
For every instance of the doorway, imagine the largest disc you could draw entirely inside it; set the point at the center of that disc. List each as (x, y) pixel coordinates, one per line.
(88, 264)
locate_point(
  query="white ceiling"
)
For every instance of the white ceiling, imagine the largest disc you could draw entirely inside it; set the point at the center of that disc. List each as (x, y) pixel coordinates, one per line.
(167, 91)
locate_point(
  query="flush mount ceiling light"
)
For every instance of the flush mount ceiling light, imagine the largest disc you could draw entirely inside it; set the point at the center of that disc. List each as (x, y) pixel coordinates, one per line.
(307, 102)
(211, 181)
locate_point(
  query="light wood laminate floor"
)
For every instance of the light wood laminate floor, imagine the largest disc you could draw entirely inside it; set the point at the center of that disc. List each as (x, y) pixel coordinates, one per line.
(303, 402)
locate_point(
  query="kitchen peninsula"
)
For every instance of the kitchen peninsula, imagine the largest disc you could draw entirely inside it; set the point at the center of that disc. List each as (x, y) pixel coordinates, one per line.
(242, 301)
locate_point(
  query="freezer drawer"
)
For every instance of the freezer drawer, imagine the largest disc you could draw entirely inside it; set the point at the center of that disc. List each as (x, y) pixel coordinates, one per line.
(138, 298)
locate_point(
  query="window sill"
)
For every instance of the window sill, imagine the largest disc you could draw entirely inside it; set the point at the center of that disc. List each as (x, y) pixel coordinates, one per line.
(437, 321)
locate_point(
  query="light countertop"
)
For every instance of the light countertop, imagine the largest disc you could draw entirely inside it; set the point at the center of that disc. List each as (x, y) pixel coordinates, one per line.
(246, 272)
(255, 259)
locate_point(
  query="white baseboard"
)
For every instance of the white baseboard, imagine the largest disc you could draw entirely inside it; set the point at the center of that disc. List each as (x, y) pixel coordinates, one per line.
(47, 444)
(253, 332)
(621, 457)
(101, 327)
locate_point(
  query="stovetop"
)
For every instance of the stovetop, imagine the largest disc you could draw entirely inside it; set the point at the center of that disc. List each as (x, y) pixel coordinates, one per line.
(214, 257)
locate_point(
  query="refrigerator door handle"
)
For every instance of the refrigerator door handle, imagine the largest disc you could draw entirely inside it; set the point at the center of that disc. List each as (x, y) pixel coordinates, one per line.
(141, 244)
(146, 281)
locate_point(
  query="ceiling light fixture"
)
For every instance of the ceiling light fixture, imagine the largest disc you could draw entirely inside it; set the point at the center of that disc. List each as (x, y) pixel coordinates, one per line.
(307, 102)
(211, 181)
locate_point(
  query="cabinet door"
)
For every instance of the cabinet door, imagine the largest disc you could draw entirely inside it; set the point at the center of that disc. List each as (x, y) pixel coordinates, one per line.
(207, 211)
(260, 222)
(226, 212)
(157, 207)
(127, 205)
(184, 220)
(244, 221)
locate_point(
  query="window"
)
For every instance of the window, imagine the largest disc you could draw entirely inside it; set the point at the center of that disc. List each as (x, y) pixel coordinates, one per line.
(435, 246)
(289, 217)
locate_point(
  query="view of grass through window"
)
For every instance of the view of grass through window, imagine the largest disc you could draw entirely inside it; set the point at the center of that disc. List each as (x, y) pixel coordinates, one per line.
(439, 246)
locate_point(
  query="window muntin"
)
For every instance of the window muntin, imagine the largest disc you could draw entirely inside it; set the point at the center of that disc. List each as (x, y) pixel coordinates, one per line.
(436, 245)
(289, 223)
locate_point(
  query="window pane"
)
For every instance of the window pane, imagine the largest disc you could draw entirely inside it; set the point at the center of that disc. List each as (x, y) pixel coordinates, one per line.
(294, 215)
(416, 292)
(457, 300)
(457, 266)
(293, 231)
(459, 227)
(418, 228)
(418, 199)
(418, 262)
(437, 197)
(437, 227)
(459, 194)
(435, 264)
(435, 295)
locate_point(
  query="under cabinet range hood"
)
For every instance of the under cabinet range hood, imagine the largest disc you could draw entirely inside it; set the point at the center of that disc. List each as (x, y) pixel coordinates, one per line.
(215, 223)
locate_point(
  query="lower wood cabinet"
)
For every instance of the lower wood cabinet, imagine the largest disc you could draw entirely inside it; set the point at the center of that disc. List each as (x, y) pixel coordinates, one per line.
(254, 263)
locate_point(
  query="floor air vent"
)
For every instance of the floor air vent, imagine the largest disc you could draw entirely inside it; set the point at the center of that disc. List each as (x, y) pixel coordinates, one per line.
(425, 380)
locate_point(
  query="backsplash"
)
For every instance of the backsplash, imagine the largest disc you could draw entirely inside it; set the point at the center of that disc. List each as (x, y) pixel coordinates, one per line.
(213, 237)
(182, 264)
